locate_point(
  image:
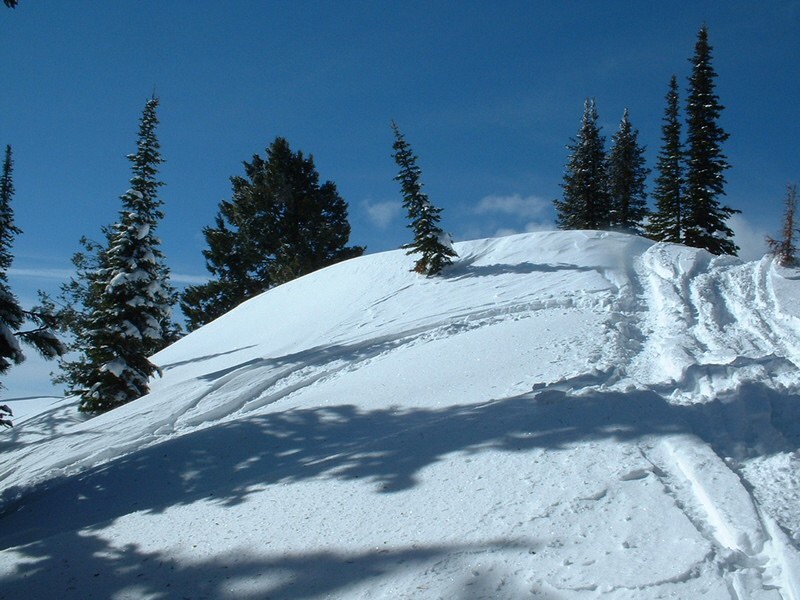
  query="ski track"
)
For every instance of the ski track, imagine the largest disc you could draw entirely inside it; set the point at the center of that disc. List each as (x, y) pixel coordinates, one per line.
(717, 308)
(254, 384)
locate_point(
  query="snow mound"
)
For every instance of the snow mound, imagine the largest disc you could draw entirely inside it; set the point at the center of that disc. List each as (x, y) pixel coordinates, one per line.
(559, 415)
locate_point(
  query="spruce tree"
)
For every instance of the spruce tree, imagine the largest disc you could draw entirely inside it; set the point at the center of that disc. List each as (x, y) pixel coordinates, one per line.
(311, 218)
(667, 222)
(627, 175)
(119, 308)
(705, 219)
(279, 224)
(586, 203)
(430, 241)
(12, 315)
(785, 249)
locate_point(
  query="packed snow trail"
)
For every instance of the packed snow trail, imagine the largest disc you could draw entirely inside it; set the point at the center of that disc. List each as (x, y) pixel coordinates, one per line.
(561, 415)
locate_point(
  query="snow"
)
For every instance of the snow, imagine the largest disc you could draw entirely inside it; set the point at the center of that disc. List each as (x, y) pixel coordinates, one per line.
(124, 278)
(116, 367)
(559, 415)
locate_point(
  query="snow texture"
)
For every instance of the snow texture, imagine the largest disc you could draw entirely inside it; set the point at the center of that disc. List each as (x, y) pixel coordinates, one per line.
(560, 415)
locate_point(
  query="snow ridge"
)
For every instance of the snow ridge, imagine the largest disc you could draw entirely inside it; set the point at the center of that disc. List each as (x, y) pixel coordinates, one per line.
(561, 414)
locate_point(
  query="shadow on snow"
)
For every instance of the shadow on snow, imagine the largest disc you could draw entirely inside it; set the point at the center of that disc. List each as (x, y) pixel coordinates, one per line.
(88, 568)
(55, 527)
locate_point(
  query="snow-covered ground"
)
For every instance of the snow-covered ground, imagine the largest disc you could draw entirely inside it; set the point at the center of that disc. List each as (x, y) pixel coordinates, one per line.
(561, 415)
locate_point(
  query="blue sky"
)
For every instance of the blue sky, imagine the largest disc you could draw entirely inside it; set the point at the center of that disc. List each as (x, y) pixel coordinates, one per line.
(488, 94)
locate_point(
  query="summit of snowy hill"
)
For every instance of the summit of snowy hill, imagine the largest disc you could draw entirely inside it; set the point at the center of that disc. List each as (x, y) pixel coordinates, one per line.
(559, 415)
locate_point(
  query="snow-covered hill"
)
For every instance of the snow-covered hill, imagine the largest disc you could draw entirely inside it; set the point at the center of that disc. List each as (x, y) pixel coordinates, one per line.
(562, 415)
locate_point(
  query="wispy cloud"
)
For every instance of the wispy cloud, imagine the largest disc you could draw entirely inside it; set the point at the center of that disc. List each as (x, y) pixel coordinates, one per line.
(516, 205)
(381, 214)
(187, 279)
(51, 274)
(64, 274)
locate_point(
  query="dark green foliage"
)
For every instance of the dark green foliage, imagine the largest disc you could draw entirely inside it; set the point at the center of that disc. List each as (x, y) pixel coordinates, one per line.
(705, 219)
(586, 203)
(430, 242)
(785, 249)
(666, 223)
(12, 316)
(118, 308)
(279, 224)
(627, 175)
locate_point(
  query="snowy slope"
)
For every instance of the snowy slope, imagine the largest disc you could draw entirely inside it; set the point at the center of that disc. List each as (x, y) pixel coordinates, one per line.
(562, 415)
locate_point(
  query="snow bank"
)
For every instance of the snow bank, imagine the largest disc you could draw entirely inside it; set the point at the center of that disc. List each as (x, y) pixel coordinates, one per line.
(561, 414)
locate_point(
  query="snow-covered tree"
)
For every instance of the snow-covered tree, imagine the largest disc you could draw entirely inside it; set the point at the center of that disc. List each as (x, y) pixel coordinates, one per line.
(586, 203)
(279, 224)
(12, 316)
(627, 175)
(430, 241)
(705, 218)
(119, 307)
(785, 249)
(666, 222)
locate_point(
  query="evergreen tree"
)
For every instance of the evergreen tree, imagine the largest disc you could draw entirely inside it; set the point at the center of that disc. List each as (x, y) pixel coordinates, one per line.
(785, 249)
(705, 219)
(666, 223)
(12, 315)
(119, 307)
(5, 412)
(279, 224)
(430, 242)
(627, 175)
(586, 203)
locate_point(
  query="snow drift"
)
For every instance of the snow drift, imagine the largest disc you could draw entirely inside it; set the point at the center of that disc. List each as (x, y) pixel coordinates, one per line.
(561, 415)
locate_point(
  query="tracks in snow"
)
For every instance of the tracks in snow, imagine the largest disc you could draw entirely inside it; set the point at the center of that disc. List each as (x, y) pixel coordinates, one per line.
(750, 550)
(712, 328)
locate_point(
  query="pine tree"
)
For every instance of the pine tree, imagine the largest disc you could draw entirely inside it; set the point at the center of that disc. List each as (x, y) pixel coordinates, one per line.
(279, 224)
(586, 203)
(119, 308)
(705, 219)
(627, 175)
(12, 315)
(311, 218)
(430, 241)
(785, 249)
(666, 223)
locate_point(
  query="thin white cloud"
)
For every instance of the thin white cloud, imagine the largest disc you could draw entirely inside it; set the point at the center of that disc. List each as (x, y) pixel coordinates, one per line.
(64, 274)
(53, 274)
(527, 207)
(187, 279)
(381, 214)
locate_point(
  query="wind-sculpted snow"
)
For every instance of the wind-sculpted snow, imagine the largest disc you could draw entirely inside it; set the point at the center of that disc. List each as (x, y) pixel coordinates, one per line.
(560, 415)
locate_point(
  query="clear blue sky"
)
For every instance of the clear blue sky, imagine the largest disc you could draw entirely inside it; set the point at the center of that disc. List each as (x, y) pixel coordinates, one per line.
(487, 93)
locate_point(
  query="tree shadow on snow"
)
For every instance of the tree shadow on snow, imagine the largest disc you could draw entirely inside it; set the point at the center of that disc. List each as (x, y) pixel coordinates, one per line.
(87, 567)
(462, 270)
(385, 448)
